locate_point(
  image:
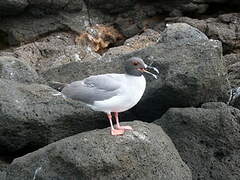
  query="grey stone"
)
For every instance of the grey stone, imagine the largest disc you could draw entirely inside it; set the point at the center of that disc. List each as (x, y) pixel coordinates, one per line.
(24, 28)
(3, 169)
(31, 117)
(224, 28)
(181, 32)
(147, 38)
(231, 59)
(51, 51)
(43, 7)
(12, 7)
(15, 69)
(207, 139)
(144, 153)
(111, 6)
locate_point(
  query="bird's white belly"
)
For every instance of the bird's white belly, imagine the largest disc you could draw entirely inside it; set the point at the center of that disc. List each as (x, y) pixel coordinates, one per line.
(129, 95)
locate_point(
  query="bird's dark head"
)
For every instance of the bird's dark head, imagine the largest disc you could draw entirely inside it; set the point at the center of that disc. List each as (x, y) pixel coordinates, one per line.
(135, 66)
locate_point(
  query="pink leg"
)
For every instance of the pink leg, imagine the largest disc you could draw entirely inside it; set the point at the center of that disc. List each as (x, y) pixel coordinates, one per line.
(114, 132)
(118, 124)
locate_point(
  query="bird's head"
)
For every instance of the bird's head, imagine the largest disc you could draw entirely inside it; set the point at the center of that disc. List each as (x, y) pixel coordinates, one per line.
(135, 66)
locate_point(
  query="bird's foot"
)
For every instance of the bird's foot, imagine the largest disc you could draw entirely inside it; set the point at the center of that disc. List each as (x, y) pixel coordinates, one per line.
(124, 127)
(117, 132)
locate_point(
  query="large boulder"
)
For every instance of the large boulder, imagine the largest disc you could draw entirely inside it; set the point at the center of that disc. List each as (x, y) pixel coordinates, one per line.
(207, 139)
(191, 72)
(224, 28)
(31, 117)
(182, 32)
(144, 153)
(15, 69)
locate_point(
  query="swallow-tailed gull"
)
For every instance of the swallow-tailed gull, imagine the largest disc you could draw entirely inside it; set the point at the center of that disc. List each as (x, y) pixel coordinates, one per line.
(112, 93)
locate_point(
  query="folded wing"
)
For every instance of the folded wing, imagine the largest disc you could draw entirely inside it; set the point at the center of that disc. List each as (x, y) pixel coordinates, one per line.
(93, 88)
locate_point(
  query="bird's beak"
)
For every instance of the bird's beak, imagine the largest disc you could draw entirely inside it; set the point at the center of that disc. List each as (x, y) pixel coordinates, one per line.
(149, 67)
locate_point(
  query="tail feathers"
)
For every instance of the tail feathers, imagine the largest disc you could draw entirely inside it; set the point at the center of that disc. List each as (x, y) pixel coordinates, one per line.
(57, 85)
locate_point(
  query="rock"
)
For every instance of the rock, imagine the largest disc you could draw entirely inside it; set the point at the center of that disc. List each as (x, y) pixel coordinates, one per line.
(147, 38)
(224, 28)
(207, 139)
(144, 153)
(3, 169)
(24, 29)
(39, 7)
(234, 95)
(111, 6)
(12, 7)
(52, 51)
(42, 7)
(191, 73)
(31, 117)
(197, 23)
(232, 62)
(15, 69)
(231, 59)
(181, 32)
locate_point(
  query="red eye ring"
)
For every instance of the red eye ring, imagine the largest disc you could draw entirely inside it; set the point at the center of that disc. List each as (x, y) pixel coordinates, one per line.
(135, 63)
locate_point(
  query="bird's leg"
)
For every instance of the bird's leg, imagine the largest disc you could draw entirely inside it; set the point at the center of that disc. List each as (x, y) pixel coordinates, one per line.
(118, 124)
(114, 132)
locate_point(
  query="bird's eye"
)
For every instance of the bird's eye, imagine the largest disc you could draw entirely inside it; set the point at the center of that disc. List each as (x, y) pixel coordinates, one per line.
(135, 63)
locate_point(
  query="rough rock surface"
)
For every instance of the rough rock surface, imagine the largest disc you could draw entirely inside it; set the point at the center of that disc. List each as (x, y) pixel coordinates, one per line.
(147, 38)
(191, 73)
(207, 139)
(232, 62)
(8, 7)
(31, 117)
(52, 51)
(224, 28)
(3, 169)
(15, 69)
(181, 32)
(144, 153)
(24, 29)
(39, 7)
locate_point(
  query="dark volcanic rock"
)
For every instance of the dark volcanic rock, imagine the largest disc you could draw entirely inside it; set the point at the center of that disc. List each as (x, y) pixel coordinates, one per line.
(43, 7)
(232, 62)
(224, 28)
(31, 117)
(191, 73)
(111, 6)
(39, 7)
(181, 32)
(11, 7)
(52, 51)
(25, 28)
(3, 169)
(15, 69)
(144, 153)
(207, 139)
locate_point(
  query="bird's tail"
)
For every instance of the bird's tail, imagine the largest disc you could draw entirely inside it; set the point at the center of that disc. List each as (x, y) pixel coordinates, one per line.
(57, 85)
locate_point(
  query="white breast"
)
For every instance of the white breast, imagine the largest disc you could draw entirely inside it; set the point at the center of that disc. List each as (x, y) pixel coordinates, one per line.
(129, 94)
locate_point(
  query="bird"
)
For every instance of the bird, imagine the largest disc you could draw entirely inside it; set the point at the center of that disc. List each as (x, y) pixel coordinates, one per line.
(111, 93)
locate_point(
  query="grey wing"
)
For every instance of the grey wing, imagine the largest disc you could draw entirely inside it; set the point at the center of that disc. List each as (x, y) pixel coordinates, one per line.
(93, 88)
